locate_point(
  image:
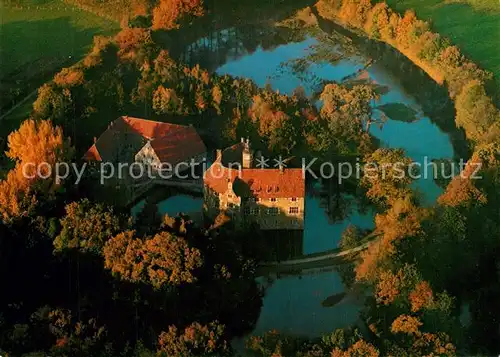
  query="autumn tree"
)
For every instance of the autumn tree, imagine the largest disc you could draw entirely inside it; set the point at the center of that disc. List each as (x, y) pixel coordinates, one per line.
(166, 101)
(475, 111)
(347, 112)
(17, 198)
(387, 175)
(358, 349)
(273, 114)
(195, 340)
(421, 343)
(69, 77)
(86, 227)
(168, 13)
(35, 147)
(52, 102)
(410, 29)
(379, 24)
(355, 12)
(37, 142)
(163, 260)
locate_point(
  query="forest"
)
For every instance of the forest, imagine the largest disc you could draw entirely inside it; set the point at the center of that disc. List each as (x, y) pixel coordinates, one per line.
(82, 277)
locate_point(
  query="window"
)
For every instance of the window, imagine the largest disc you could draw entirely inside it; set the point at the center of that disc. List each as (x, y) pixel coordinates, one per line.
(293, 210)
(294, 199)
(229, 196)
(247, 210)
(273, 211)
(251, 199)
(254, 211)
(295, 222)
(274, 199)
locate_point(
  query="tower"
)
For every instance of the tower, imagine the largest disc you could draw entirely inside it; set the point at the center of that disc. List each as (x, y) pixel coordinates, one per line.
(247, 156)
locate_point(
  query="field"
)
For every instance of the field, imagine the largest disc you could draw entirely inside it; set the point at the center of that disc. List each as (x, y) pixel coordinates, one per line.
(472, 25)
(37, 39)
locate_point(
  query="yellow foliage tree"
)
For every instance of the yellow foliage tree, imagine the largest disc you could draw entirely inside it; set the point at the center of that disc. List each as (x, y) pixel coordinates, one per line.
(35, 147)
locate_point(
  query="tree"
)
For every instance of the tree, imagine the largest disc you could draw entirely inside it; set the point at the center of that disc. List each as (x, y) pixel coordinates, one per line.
(406, 324)
(350, 238)
(360, 349)
(475, 111)
(274, 117)
(421, 297)
(36, 147)
(170, 260)
(410, 29)
(378, 22)
(123, 256)
(355, 12)
(169, 13)
(386, 175)
(165, 101)
(52, 102)
(69, 77)
(86, 227)
(162, 261)
(195, 340)
(38, 142)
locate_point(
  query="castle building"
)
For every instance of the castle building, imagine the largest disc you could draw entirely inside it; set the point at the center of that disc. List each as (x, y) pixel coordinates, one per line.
(129, 140)
(272, 198)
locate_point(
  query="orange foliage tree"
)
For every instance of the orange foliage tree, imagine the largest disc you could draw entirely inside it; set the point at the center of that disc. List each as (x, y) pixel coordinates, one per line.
(406, 324)
(195, 340)
(168, 13)
(360, 348)
(387, 175)
(355, 11)
(35, 147)
(164, 260)
(421, 297)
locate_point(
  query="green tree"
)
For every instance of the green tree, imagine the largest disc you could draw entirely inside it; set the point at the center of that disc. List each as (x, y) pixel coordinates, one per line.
(86, 227)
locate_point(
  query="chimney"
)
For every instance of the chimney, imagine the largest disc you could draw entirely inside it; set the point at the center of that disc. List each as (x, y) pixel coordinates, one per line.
(242, 140)
(218, 155)
(95, 139)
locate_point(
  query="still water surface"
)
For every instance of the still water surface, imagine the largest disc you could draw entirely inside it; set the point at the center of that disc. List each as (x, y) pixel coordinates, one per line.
(293, 304)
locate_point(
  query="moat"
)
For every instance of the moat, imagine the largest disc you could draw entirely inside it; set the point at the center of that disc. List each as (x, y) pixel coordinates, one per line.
(412, 121)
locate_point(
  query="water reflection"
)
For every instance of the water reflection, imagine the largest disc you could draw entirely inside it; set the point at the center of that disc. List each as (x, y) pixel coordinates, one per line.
(293, 304)
(420, 138)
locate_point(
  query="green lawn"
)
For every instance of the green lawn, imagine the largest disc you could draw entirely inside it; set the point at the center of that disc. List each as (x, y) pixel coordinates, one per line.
(37, 38)
(32, 31)
(472, 25)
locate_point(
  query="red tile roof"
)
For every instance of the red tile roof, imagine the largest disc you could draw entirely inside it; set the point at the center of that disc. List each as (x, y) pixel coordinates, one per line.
(256, 182)
(92, 154)
(171, 142)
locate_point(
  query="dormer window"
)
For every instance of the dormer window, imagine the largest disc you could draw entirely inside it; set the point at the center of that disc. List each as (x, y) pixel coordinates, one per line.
(274, 199)
(294, 199)
(269, 189)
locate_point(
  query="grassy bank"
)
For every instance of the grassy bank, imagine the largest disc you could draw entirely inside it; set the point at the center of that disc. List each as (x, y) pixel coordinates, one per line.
(37, 39)
(473, 25)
